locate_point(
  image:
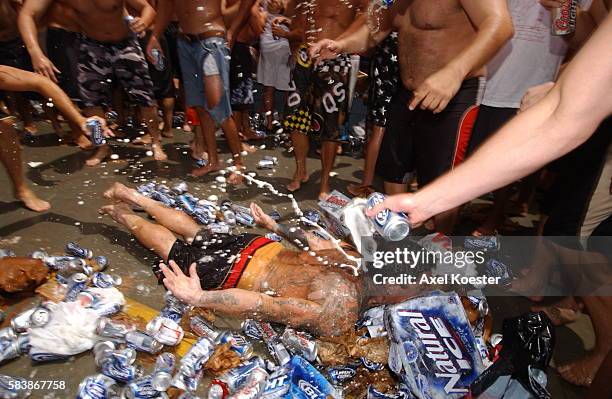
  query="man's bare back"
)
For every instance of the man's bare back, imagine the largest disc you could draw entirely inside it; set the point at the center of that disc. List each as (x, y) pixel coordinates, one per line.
(332, 17)
(431, 34)
(199, 16)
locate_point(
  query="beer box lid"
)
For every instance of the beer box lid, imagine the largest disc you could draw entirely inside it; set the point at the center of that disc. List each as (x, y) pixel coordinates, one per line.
(433, 347)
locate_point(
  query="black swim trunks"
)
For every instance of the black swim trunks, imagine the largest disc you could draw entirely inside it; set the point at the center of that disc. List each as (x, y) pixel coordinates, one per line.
(102, 65)
(426, 142)
(163, 83)
(220, 259)
(14, 53)
(63, 52)
(319, 101)
(384, 80)
(241, 77)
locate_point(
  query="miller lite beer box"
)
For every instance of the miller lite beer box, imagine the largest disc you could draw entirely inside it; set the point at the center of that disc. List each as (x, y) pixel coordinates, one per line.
(433, 349)
(298, 379)
(332, 207)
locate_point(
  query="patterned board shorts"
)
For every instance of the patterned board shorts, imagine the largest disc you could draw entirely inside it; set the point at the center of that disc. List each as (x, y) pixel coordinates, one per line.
(103, 66)
(319, 101)
(384, 80)
(241, 77)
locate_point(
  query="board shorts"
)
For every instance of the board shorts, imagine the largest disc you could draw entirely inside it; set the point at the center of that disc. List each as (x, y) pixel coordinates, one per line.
(172, 40)
(428, 143)
(319, 99)
(163, 83)
(241, 77)
(384, 80)
(103, 65)
(489, 121)
(201, 58)
(221, 259)
(63, 52)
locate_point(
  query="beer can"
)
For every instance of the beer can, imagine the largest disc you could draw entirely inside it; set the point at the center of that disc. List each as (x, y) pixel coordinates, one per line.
(254, 385)
(196, 357)
(278, 351)
(74, 249)
(40, 317)
(23, 340)
(119, 371)
(299, 343)
(166, 331)
(95, 132)
(101, 263)
(180, 188)
(65, 263)
(274, 237)
(101, 349)
(219, 228)
(9, 349)
(76, 283)
(165, 199)
(202, 328)
(340, 374)
(245, 219)
(564, 18)
(159, 61)
(143, 342)
(251, 329)
(482, 243)
(236, 377)
(237, 343)
(185, 382)
(7, 333)
(217, 390)
(266, 164)
(96, 386)
(275, 215)
(22, 321)
(7, 253)
(161, 379)
(104, 280)
(142, 389)
(390, 225)
(41, 356)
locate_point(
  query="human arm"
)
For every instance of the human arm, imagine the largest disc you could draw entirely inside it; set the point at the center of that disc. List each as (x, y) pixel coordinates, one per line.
(30, 15)
(165, 9)
(145, 18)
(241, 303)
(13, 79)
(565, 118)
(494, 28)
(239, 21)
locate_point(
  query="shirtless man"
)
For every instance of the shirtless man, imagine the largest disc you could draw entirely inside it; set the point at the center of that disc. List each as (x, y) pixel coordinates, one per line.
(319, 103)
(443, 47)
(564, 118)
(108, 52)
(308, 294)
(204, 56)
(17, 80)
(60, 64)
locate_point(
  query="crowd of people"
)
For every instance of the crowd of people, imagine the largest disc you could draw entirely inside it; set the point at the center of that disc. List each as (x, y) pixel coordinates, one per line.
(447, 80)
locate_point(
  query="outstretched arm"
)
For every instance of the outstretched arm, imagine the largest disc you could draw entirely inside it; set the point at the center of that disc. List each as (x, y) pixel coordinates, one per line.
(565, 118)
(13, 79)
(242, 303)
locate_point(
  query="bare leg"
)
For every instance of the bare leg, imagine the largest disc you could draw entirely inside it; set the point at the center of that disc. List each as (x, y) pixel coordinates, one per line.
(153, 236)
(328, 156)
(167, 105)
(25, 111)
(233, 140)
(244, 126)
(268, 99)
(207, 129)
(172, 219)
(10, 155)
(78, 137)
(198, 145)
(151, 119)
(496, 215)
(371, 156)
(103, 151)
(300, 151)
(395, 188)
(445, 221)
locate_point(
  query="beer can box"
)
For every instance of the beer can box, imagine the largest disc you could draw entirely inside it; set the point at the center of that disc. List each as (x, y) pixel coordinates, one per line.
(298, 379)
(332, 207)
(433, 349)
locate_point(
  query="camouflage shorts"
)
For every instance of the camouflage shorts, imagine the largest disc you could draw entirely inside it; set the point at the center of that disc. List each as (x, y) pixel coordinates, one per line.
(103, 66)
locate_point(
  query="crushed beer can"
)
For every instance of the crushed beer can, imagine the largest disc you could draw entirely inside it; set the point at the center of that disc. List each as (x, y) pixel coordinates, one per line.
(143, 342)
(251, 329)
(119, 371)
(101, 262)
(105, 280)
(40, 317)
(274, 237)
(196, 357)
(8, 333)
(233, 379)
(275, 215)
(300, 343)
(203, 328)
(22, 322)
(253, 386)
(220, 228)
(237, 343)
(482, 243)
(74, 249)
(9, 349)
(298, 379)
(433, 349)
(142, 389)
(96, 386)
(40, 355)
(76, 283)
(185, 382)
(161, 378)
(165, 330)
(370, 365)
(272, 340)
(495, 268)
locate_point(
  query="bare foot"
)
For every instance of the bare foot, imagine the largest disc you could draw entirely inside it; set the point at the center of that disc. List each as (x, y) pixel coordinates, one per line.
(360, 190)
(143, 140)
(204, 170)
(101, 154)
(248, 148)
(197, 153)
(159, 154)
(119, 192)
(261, 218)
(252, 135)
(31, 201)
(82, 142)
(582, 371)
(323, 195)
(235, 179)
(296, 183)
(116, 211)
